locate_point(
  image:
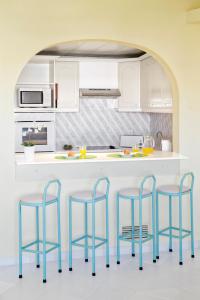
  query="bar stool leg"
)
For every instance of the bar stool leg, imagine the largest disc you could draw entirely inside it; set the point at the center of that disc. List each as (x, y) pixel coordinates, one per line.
(59, 237)
(153, 227)
(118, 239)
(107, 235)
(170, 224)
(37, 239)
(20, 239)
(180, 231)
(192, 224)
(157, 226)
(140, 234)
(93, 238)
(44, 242)
(70, 234)
(86, 231)
(133, 229)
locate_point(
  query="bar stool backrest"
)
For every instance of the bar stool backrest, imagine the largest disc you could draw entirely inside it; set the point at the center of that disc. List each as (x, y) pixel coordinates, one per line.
(187, 176)
(55, 182)
(147, 178)
(98, 182)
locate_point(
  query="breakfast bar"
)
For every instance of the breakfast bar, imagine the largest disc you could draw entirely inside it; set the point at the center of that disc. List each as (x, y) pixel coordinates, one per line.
(61, 158)
(96, 164)
(122, 172)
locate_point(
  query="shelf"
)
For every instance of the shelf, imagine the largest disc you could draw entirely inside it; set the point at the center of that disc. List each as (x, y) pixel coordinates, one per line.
(34, 110)
(44, 110)
(35, 83)
(167, 110)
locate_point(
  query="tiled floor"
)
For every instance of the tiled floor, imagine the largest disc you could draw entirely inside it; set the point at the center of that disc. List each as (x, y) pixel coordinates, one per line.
(161, 281)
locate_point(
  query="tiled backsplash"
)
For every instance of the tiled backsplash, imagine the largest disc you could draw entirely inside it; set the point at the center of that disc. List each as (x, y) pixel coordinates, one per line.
(163, 123)
(98, 123)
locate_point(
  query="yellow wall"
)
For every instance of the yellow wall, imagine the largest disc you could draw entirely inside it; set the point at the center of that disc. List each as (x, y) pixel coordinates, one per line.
(27, 26)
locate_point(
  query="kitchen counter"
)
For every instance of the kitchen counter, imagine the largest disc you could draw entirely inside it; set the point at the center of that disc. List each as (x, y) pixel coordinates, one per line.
(49, 158)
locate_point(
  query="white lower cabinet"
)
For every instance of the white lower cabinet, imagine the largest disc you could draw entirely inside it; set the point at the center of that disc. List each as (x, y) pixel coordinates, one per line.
(67, 80)
(129, 85)
(155, 88)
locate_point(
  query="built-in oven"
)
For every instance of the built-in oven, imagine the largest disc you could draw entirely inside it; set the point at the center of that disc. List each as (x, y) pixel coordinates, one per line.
(38, 128)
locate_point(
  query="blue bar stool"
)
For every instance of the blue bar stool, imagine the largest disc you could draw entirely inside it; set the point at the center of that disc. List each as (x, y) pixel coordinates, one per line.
(178, 191)
(139, 194)
(87, 198)
(41, 201)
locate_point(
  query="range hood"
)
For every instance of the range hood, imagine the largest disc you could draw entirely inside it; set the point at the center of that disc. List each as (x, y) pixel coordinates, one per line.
(101, 93)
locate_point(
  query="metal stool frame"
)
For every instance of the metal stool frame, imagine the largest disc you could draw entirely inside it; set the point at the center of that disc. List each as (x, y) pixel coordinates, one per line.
(182, 233)
(26, 248)
(85, 237)
(141, 240)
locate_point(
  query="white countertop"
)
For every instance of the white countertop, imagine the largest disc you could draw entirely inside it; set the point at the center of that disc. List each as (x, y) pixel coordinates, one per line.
(49, 158)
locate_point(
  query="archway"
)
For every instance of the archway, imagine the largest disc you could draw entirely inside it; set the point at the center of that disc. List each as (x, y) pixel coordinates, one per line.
(164, 65)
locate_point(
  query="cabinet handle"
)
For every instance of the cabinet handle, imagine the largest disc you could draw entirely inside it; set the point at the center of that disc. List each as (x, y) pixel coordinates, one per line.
(56, 95)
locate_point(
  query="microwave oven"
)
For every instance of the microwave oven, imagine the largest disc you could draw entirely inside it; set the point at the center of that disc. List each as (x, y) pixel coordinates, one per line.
(34, 97)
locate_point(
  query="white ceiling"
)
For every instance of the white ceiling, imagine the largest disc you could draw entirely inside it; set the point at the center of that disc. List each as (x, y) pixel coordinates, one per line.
(93, 49)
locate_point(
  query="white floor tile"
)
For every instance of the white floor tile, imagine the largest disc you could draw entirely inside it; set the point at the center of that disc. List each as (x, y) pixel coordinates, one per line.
(165, 280)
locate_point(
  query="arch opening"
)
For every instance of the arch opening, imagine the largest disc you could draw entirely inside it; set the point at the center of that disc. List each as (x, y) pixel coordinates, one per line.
(154, 111)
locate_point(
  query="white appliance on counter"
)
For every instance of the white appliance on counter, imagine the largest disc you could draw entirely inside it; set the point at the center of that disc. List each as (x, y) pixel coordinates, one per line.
(128, 141)
(34, 97)
(166, 146)
(38, 128)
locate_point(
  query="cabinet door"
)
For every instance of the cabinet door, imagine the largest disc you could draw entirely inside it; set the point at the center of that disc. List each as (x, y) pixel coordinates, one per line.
(145, 78)
(98, 74)
(155, 87)
(67, 78)
(129, 85)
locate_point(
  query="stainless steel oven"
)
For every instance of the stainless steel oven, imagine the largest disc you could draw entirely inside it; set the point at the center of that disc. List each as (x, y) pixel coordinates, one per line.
(39, 128)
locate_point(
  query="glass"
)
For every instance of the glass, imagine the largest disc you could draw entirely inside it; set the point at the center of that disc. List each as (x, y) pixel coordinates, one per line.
(37, 137)
(31, 97)
(135, 148)
(148, 145)
(83, 152)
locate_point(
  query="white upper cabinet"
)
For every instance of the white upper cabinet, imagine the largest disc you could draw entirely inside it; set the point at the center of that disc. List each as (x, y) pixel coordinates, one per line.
(156, 95)
(129, 86)
(143, 83)
(98, 74)
(67, 79)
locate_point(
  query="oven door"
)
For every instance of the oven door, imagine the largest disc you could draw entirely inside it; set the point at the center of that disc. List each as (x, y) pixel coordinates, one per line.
(41, 134)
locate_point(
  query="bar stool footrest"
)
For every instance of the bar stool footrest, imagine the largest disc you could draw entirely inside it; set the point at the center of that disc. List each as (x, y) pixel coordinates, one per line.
(136, 240)
(26, 248)
(76, 241)
(163, 232)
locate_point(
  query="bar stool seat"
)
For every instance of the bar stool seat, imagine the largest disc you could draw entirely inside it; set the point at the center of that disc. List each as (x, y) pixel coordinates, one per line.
(36, 199)
(172, 189)
(87, 196)
(133, 192)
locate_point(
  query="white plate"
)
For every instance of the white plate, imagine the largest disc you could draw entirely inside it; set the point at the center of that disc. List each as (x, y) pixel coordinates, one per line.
(127, 155)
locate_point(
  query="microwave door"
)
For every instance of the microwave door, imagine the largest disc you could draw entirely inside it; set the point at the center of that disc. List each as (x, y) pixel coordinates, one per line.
(31, 98)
